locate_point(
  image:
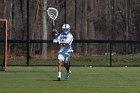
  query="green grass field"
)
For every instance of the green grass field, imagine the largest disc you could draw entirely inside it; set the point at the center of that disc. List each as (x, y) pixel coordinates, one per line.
(82, 80)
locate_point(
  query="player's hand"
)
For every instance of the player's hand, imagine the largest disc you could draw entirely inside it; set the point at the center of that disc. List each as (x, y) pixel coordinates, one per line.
(63, 42)
(55, 32)
(55, 41)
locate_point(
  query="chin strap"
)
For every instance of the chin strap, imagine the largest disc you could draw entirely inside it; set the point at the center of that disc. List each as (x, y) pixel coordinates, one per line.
(65, 33)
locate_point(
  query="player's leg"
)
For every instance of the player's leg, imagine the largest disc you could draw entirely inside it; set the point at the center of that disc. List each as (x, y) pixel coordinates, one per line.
(61, 59)
(67, 64)
(59, 69)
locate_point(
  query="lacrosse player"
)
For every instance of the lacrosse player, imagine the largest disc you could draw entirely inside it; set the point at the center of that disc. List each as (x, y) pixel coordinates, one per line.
(65, 40)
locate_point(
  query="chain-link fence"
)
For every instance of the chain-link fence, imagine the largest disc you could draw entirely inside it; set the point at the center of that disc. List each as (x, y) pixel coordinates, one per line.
(86, 53)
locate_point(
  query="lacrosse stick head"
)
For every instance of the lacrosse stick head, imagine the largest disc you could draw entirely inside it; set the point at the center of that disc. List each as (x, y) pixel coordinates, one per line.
(52, 13)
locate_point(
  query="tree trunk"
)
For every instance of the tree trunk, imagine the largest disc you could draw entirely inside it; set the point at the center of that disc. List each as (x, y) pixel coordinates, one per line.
(85, 31)
(44, 20)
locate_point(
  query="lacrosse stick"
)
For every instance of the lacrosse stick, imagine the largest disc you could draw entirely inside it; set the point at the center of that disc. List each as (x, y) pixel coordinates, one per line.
(53, 14)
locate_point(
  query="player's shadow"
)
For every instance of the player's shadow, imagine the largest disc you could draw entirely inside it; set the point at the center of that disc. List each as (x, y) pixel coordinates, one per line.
(58, 80)
(52, 80)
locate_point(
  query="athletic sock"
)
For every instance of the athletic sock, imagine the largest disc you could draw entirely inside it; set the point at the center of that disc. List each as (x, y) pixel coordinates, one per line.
(59, 74)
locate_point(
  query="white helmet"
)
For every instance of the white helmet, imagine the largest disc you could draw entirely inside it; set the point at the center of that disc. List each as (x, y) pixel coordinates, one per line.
(66, 26)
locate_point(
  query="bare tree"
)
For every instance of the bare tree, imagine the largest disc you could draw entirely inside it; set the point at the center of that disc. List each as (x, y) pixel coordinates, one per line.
(44, 20)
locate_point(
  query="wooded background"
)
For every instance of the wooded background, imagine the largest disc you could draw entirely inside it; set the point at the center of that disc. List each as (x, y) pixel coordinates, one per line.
(89, 20)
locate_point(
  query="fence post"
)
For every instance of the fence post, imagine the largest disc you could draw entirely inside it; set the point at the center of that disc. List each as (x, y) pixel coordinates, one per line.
(110, 47)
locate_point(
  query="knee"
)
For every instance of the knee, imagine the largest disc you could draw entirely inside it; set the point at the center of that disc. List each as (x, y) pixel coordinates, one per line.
(60, 62)
(67, 60)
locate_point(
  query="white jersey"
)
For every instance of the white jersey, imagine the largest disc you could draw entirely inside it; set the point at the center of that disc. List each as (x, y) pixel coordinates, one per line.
(69, 39)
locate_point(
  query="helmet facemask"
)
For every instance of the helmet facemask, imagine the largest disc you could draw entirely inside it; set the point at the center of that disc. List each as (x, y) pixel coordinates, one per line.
(66, 28)
(66, 31)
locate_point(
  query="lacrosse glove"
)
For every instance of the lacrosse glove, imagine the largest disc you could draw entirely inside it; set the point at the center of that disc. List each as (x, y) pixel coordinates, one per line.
(55, 32)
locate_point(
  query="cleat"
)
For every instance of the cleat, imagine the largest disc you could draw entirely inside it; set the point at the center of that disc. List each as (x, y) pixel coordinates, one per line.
(67, 75)
(59, 78)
